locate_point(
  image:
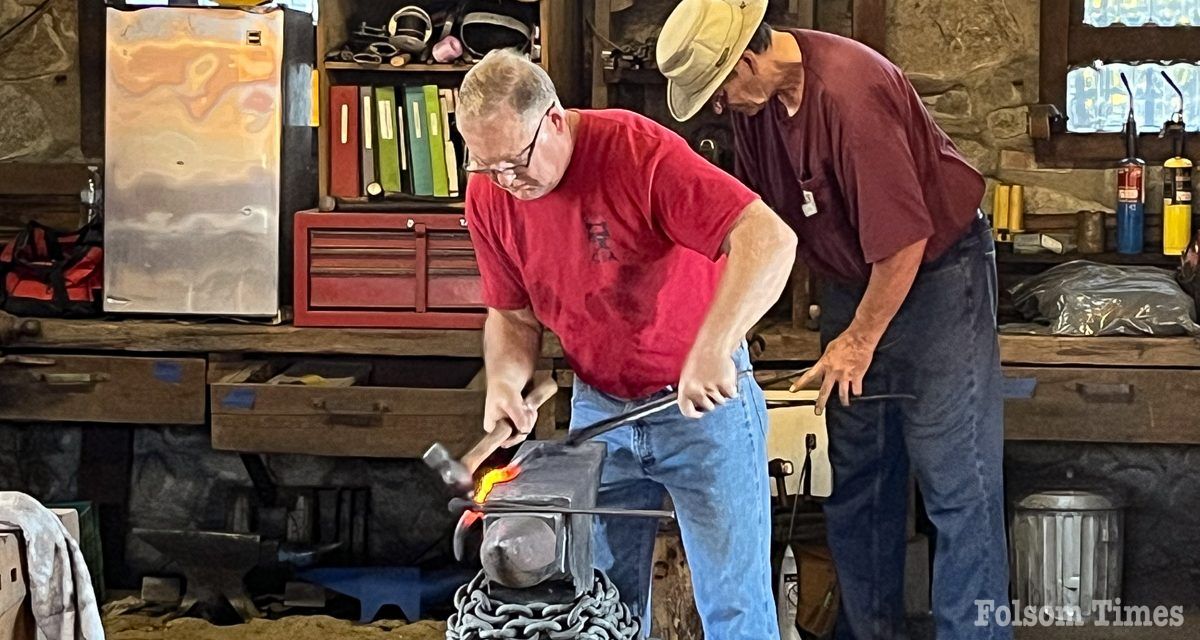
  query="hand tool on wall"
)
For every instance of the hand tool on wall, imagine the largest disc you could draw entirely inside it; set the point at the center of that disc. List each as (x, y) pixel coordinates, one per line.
(1177, 183)
(780, 469)
(459, 474)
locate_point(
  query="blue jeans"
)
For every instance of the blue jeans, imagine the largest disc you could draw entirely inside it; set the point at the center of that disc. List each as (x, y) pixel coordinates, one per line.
(941, 347)
(715, 470)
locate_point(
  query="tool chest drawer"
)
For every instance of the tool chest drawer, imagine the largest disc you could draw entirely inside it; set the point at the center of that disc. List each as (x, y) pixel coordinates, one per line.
(373, 407)
(1102, 404)
(74, 388)
(386, 270)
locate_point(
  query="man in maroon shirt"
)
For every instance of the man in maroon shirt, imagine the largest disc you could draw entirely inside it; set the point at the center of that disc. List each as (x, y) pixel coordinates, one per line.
(886, 211)
(650, 265)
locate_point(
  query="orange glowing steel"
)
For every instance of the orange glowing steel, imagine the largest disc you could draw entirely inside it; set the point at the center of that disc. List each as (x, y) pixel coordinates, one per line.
(493, 478)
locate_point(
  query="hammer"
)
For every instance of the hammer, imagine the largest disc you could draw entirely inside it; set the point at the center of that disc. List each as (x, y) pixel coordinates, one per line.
(459, 474)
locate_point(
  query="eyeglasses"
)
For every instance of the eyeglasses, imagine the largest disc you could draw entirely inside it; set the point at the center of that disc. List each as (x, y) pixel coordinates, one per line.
(518, 166)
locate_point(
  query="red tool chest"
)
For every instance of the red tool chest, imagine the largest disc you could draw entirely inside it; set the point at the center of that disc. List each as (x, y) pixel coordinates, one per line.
(397, 270)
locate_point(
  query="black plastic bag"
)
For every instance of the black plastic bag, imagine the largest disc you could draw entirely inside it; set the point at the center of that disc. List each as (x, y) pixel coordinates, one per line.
(1083, 298)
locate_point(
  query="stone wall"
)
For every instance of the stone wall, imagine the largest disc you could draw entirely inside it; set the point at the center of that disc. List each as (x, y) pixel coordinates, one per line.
(39, 83)
(975, 65)
(41, 459)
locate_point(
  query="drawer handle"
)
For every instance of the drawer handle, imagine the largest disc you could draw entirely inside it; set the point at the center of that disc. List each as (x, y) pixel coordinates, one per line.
(1118, 393)
(350, 413)
(70, 379)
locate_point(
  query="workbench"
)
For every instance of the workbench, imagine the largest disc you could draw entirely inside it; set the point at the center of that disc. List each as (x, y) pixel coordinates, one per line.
(1103, 389)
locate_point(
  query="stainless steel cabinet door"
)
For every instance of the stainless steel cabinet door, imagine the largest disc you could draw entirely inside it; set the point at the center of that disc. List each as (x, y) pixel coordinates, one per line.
(193, 115)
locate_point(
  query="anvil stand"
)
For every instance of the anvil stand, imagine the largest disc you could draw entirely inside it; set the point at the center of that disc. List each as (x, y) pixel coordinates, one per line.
(537, 532)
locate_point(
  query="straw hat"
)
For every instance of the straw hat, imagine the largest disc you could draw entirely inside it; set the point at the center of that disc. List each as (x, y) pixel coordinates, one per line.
(700, 44)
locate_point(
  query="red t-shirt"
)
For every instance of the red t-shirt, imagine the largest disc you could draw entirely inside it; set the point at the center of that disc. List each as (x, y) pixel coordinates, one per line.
(621, 259)
(880, 172)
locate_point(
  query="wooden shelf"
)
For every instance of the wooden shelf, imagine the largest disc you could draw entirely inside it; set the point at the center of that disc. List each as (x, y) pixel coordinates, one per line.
(1108, 257)
(397, 206)
(228, 337)
(785, 344)
(412, 67)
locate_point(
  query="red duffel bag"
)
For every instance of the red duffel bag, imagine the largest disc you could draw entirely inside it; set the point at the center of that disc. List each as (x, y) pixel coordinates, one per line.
(53, 274)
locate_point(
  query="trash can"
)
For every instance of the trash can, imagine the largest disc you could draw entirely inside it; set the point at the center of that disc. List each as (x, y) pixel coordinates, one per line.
(1066, 549)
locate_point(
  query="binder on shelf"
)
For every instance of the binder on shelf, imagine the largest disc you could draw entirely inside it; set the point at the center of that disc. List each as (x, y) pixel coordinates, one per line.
(344, 154)
(417, 119)
(446, 102)
(437, 141)
(402, 143)
(387, 155)
(366, 139)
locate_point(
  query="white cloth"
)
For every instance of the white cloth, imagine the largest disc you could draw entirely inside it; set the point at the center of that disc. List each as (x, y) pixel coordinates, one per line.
(60, 587)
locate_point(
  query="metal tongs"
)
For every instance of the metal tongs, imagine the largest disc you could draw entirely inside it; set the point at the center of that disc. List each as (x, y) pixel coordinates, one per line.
(652, 407)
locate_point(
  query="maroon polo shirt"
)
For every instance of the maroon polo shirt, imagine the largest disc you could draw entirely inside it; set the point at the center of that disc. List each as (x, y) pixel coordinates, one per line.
(880, 172)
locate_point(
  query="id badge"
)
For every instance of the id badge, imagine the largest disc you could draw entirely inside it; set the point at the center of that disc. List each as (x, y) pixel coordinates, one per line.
(809, 208)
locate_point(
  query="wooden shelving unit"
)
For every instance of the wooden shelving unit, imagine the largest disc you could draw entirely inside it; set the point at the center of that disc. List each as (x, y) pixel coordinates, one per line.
(560, 23)
(1108, 257)
(408, 68)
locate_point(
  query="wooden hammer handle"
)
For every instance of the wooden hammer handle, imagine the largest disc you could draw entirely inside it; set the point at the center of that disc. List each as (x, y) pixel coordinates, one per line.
(543, 390)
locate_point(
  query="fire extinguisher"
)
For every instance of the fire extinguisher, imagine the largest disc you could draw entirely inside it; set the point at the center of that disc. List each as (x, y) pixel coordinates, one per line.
(1131, 188)
(1177, 184)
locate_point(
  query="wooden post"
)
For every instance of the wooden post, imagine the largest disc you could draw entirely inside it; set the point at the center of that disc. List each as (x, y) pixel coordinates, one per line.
(673, 603)
(802, 296)
(601, 19)
(869, 23)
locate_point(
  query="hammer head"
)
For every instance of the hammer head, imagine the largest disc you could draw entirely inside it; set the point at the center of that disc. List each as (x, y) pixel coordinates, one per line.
(450, 470)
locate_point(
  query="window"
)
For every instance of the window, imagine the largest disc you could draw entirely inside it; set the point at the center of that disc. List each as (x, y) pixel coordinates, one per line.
(1097, 100)
(1137, 13)
(1085, 46)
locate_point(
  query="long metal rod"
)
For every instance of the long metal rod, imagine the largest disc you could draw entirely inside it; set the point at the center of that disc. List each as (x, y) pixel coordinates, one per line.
(811, 402)
(654, 406)
(460, 504)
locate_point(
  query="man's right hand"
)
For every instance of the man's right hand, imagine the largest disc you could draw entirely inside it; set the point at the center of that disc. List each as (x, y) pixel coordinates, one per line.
(504, 402)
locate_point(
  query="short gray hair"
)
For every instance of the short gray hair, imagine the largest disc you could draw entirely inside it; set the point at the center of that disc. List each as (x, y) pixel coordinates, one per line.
(505, 77)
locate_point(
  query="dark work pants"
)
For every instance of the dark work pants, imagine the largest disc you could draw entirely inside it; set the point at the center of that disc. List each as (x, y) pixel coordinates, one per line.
(941, 347)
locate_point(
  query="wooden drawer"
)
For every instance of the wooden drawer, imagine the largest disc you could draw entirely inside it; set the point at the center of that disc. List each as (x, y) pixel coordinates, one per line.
(410, 270)
(1103, 405)
(102, 389)
(396, 410)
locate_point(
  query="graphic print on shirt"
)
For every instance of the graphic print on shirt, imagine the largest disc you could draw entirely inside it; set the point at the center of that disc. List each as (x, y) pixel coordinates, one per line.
(598, 236)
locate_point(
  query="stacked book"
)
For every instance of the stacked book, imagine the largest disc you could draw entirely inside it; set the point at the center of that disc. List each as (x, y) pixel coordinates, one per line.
(394, 142)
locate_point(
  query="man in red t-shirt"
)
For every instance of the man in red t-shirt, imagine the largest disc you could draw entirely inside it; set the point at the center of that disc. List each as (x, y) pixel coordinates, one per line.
(886, 209)
(650, 265)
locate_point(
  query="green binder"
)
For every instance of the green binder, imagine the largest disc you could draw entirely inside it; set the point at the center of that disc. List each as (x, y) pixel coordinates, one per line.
(389, 152)
(417, 117)
(437, 144)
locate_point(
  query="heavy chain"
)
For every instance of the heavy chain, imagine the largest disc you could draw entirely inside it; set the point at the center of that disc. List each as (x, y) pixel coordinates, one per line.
(596, 615)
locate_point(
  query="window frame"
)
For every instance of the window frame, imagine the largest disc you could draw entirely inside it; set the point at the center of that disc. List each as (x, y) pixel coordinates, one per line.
(1065, 42)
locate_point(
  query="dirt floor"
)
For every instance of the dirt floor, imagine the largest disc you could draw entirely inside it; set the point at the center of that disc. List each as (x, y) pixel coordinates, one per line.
(132, 626)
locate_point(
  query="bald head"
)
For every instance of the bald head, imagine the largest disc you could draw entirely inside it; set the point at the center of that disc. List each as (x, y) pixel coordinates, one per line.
(505, 79)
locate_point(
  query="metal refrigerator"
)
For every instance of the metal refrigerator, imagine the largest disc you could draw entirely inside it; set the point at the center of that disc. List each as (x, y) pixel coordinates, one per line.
(208, 153)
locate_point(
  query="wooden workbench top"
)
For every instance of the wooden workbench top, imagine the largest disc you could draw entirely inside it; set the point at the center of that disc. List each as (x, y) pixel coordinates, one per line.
(782, 343)
(228, 337)
(786, 344)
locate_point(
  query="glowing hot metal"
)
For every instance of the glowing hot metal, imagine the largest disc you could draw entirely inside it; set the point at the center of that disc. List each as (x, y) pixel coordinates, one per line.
(493, 478)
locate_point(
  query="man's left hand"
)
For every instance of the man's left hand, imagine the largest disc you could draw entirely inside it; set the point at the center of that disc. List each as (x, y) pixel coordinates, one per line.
(843, 367)
(708, 379)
